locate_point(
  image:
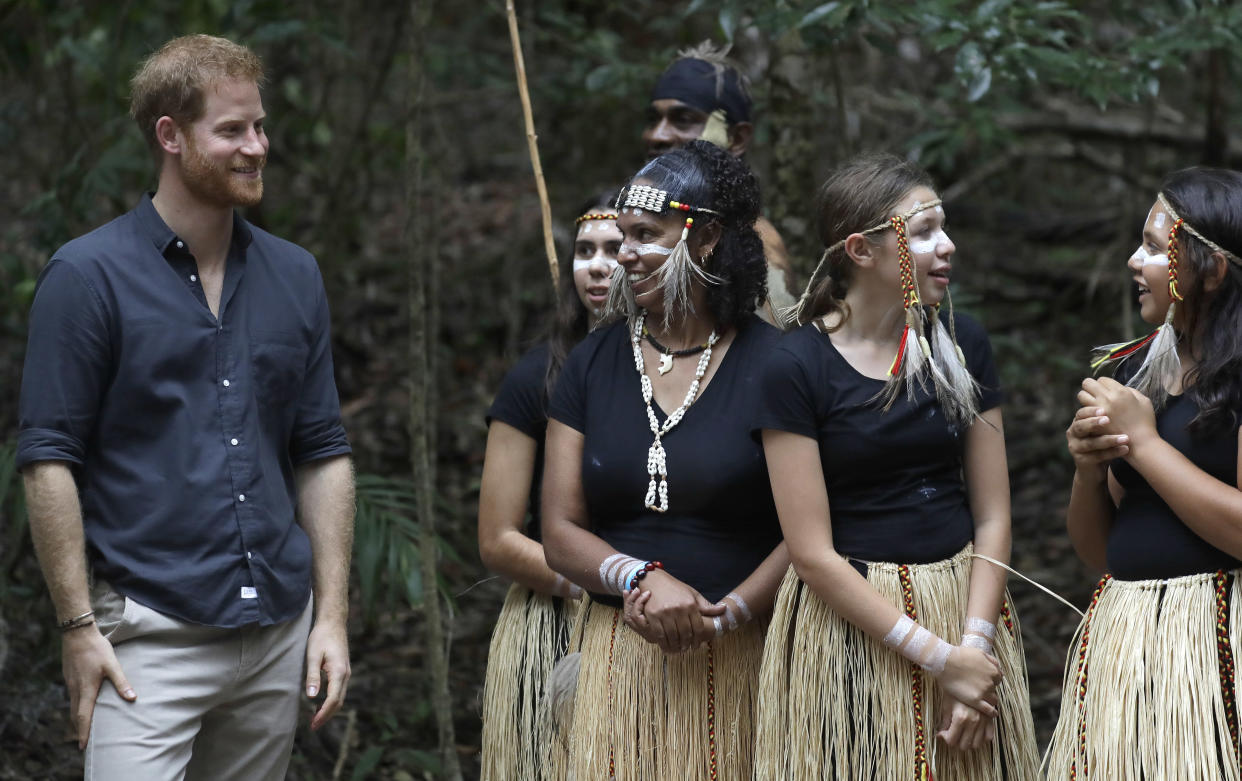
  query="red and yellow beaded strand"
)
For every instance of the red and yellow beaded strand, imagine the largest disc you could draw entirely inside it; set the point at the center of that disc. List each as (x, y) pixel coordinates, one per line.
(612, 641)
(909, 290)
(1174, 253)
(711, 714)
(1082, 682)
(922, 767)
(1225, 664)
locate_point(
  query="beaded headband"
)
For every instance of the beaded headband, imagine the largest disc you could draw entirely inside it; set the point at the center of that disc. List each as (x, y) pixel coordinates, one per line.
(1191, 230)
(595, 216)
(652, 199)
(889, 223)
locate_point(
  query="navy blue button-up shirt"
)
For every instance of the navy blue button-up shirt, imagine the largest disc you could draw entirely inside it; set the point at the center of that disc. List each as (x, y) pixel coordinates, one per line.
(184, 428)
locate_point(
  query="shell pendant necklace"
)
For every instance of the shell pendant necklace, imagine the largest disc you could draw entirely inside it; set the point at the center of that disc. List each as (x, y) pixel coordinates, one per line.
(657, 461)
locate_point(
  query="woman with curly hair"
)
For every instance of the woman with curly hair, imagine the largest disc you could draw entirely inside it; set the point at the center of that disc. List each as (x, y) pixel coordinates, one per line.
(532, 631)
(1151, 690)
(881, 424)
(656, 497)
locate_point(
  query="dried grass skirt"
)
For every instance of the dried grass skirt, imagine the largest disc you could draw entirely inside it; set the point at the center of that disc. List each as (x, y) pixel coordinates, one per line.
(640, 714)
(835, 703)
(1149, 688)
(531, 634)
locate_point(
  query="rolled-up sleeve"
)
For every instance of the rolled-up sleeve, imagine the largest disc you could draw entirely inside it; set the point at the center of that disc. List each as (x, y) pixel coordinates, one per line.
(68, 355)
(317, 431)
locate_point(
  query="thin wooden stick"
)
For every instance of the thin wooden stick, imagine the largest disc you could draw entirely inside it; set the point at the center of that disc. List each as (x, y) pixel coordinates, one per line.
(532, 141)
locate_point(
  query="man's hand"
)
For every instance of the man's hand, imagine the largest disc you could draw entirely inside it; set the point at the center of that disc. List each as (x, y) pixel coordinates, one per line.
(87, 659)
(327, 653)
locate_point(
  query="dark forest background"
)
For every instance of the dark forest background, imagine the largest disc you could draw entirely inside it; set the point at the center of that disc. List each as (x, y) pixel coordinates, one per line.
(399, 158)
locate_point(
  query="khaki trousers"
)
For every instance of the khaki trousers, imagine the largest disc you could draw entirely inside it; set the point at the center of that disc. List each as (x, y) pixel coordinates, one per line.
(213, 704)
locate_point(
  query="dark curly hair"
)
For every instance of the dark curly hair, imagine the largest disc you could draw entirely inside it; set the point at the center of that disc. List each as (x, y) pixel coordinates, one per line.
(1210, 199)
(703, 174)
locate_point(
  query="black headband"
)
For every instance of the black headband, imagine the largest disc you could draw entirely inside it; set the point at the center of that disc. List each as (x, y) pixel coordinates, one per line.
(694, 82)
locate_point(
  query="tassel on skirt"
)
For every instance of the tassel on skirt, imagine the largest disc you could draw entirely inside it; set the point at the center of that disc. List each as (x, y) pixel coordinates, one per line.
(1150, 691)
(531, 634)
(640, 714)
(835, 703)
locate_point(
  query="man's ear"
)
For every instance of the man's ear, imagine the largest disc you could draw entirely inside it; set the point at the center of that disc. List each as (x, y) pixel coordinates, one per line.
(168, 135)
(740, 135)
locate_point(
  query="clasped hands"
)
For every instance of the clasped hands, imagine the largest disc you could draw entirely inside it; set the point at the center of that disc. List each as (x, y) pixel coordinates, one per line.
(670, 614)
(1108, 425)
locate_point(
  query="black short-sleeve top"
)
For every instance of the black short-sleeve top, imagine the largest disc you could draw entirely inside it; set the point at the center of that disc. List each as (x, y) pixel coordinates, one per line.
(522, 402)
(1147, 540)
(894, 478)
(721, 522)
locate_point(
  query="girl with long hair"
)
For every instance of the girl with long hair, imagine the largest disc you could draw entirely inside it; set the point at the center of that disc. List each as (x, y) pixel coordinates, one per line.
(533, 628)
(656, 498)
(1150, 690)
(882, 427)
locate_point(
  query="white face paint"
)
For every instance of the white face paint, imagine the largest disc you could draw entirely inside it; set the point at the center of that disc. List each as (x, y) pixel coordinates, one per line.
(1160, 221)
(929, 244)
(600, 257)
(1150, 258)
(645, 249)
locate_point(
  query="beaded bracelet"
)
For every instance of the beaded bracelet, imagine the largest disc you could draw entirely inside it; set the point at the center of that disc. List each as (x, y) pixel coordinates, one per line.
(650, 566)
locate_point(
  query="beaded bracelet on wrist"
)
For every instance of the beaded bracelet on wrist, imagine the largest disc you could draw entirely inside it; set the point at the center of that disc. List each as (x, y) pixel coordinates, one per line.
(650, 566)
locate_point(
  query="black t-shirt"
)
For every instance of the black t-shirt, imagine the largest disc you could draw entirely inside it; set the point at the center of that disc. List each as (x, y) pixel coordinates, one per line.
(1147, 540)
(721, 522)
(522, 402)
(894, 478)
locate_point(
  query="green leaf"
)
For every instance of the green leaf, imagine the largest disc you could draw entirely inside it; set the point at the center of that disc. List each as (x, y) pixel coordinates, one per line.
(369, 760)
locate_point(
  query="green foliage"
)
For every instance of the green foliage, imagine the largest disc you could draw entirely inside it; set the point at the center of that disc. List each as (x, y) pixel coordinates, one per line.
(387, 540)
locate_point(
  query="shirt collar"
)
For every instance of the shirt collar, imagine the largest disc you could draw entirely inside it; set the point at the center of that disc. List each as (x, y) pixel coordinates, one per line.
(154, 228)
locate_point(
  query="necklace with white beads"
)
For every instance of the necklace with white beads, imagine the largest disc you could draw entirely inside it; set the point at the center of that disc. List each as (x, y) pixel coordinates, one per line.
(657, 462)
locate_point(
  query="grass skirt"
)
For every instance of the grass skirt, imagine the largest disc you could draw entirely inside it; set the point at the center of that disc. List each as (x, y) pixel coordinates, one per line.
(531, 634)
(1149, 687)
(835, 703)
(645, 715)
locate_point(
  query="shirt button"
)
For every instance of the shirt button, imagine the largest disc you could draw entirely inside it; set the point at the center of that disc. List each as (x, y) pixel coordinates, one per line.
(180, 245)
(225, 383)
(241, 497)
(249, 555)
(233, 441)
(193, 277)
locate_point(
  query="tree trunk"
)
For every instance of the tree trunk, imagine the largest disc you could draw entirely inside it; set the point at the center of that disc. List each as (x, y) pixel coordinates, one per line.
(421, 261)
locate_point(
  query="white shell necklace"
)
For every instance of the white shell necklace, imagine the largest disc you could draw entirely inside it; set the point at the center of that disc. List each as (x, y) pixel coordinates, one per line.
(657, 462)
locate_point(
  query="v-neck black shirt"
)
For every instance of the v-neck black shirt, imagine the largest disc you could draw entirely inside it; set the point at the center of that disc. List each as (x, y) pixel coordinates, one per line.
(721, 523)
(184, 428)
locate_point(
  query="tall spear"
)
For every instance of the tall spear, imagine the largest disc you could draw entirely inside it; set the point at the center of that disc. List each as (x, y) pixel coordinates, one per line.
(532, 142)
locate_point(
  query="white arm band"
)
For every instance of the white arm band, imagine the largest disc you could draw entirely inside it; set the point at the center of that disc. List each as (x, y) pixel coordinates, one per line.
(616, 571)
(918, 645)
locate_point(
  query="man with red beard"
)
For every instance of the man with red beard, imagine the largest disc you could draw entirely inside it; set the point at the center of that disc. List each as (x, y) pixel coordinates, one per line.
(187, 476)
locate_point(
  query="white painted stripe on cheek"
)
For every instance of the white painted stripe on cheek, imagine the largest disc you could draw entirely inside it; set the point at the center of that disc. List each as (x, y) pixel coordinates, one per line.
(609, 263)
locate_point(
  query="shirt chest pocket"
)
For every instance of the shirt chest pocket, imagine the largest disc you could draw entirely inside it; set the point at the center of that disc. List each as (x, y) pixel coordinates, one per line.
(278, 366)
